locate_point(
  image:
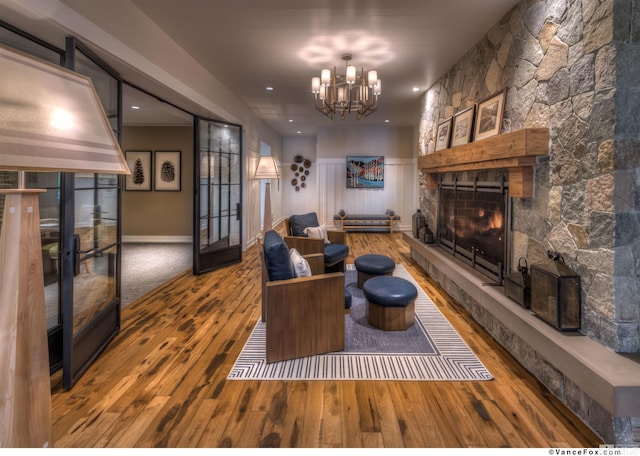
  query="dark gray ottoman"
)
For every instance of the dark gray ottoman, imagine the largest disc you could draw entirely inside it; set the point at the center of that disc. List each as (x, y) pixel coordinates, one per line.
(373, 265)
(390, 302)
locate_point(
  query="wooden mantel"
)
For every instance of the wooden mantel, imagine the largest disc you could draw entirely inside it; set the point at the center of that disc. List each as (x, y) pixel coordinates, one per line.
(516, 151)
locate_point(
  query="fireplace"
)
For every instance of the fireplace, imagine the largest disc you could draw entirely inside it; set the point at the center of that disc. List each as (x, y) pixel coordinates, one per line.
(473, 225)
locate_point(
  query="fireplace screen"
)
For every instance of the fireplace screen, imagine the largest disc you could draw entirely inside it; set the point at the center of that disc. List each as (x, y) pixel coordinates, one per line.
(472, 226)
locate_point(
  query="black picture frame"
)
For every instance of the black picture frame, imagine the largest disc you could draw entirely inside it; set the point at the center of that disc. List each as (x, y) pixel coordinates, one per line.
(365, 171)
(462, 128)
(140, 179)
(168, 171)
(443, 134)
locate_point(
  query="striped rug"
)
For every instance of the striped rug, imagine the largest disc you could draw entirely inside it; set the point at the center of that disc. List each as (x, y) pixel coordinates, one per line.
(450, 360)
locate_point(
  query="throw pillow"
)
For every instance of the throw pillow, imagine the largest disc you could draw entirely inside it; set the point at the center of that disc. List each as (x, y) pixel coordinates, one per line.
(300, 265)
(276, 255)
(318, 232)
(314, 232)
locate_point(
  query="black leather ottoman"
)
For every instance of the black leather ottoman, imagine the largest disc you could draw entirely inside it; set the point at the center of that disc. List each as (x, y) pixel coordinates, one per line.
(373, 265)
(390, 302)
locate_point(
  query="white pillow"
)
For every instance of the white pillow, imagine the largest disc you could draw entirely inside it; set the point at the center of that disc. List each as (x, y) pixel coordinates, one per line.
(300, 265)
(318, 232)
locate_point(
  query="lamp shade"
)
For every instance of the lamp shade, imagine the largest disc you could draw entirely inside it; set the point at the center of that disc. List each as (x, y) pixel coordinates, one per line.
(51, 119)
(267, 168)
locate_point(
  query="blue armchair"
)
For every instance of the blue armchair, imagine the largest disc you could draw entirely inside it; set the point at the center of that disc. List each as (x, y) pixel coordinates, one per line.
(335, 250)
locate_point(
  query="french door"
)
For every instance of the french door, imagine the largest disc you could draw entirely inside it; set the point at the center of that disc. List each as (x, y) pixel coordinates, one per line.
(90, 232)
(218, 195)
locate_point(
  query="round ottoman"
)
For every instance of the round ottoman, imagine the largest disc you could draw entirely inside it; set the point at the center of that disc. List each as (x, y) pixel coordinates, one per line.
(373, 265)
(390, 302)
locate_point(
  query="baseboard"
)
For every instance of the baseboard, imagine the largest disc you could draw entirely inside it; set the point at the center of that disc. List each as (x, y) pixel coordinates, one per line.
(157, 239)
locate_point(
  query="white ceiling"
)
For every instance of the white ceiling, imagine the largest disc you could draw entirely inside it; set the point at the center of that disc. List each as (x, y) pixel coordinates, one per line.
(251, 44)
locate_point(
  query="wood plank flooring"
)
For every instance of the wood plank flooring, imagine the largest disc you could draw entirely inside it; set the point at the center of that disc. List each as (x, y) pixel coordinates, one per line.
(162, 382)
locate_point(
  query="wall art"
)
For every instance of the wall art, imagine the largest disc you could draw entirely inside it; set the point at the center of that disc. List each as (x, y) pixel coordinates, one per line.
(490, 113)
(139, 162)
(168, 171)
(365, 172)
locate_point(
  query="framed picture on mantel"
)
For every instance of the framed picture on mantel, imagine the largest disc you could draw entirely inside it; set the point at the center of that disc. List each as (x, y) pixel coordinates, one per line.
(462, 126)
(443, 134)
(490, 113)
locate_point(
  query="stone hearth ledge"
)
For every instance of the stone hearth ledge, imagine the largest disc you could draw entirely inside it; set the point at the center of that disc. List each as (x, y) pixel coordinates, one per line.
(610, 379)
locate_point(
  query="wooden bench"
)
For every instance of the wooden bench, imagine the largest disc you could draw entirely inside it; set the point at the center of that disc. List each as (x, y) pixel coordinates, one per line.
(366, 222)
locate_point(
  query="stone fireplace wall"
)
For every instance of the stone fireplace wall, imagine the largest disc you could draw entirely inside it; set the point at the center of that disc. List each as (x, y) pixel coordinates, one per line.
(572, 66)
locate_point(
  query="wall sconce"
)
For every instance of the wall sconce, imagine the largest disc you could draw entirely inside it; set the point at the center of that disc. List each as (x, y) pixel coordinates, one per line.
(267, 169)
(51, 120)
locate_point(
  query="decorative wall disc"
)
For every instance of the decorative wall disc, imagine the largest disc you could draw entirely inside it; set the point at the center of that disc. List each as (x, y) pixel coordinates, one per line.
(299, 171)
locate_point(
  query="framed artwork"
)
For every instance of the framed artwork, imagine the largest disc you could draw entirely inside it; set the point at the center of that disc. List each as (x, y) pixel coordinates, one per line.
(443, 135)
(168, 170)
(139, 162)
(365, 172)
(462, 126)
(490, 113)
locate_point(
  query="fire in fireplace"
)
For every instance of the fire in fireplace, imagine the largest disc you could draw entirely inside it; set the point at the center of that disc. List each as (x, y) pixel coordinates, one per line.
(472, 225)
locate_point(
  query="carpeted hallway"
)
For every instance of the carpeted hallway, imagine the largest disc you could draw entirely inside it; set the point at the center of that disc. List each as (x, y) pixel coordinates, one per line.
(146, 266)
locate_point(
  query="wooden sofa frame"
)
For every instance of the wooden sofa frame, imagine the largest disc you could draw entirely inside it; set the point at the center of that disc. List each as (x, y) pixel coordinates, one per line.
(304, 316)
(364, 222)
(307, 246)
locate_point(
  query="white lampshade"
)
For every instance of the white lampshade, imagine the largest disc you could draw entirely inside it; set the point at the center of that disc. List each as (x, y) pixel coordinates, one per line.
(351, 74)
(377, 89)
(51, 119)
(267, 168)
(325, 77)
(372, 78)
(315, 85)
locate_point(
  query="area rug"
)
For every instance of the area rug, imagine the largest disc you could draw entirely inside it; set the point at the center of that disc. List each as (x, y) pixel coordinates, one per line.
(431, 350)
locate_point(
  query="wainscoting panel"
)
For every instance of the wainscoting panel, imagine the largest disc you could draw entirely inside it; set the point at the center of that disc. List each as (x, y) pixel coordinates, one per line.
(399, 193)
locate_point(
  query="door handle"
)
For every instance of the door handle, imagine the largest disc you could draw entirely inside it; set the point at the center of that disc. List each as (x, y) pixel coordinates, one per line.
(76, 254)
(238, 211)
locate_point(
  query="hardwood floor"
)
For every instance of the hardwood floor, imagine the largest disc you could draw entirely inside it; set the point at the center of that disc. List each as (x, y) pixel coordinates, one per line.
(162, 382)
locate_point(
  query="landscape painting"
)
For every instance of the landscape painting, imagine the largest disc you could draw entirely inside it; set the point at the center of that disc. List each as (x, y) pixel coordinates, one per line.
(365, 172)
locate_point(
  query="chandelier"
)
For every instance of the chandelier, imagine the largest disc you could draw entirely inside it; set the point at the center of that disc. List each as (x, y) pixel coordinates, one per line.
(348, 93)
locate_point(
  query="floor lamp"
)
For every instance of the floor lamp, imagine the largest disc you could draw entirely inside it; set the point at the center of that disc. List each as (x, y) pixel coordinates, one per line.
(51, 120)
(267, 169)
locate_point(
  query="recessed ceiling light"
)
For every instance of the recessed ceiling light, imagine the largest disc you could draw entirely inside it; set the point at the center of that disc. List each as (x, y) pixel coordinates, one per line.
(416, 89)
(269, 88)
(135, 107)
(386, 121)
(299, 132)
(290, 120)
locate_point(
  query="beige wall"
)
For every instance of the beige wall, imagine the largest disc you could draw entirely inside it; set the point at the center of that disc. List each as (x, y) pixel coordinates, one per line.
(163, 215)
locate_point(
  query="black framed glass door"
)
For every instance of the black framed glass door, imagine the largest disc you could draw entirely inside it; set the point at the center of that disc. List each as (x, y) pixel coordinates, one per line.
(218, 195)
(90, 257)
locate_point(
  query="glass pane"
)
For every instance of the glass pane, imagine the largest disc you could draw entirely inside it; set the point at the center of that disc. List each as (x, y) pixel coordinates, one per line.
(94, 287)
(28, 46)
(106, 86)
